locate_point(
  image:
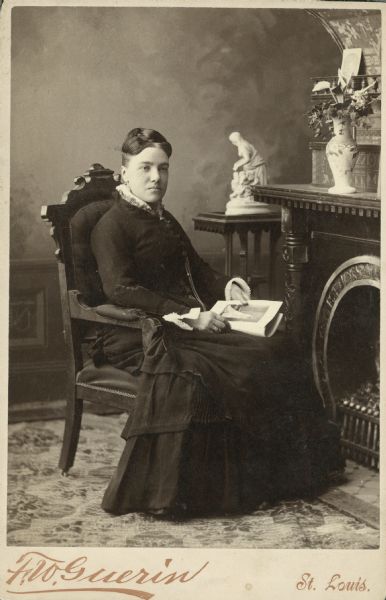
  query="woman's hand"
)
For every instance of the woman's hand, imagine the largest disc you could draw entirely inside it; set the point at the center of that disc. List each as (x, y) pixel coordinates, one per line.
(209, 321)
(239, 294)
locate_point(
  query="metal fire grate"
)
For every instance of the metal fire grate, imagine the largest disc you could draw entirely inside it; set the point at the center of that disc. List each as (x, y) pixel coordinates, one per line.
(360, 426)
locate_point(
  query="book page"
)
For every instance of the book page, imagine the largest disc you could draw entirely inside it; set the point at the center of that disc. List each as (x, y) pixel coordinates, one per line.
(257, 317)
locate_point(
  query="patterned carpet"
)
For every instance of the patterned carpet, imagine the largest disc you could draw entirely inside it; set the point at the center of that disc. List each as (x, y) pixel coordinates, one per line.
(46, 509)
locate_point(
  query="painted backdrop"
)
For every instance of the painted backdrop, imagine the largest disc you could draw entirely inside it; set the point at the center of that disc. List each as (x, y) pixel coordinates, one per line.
(82, 77)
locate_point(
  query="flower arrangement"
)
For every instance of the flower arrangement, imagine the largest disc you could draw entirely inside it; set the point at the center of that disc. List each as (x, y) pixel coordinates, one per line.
(345, 104)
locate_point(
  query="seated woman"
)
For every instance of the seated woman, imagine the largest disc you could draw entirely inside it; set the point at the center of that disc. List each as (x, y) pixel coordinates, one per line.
(223, 421)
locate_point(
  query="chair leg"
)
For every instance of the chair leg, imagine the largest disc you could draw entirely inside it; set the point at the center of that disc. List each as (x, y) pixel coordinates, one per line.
(74, 411)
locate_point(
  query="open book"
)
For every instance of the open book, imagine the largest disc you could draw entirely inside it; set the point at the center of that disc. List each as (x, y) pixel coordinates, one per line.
(256, 317)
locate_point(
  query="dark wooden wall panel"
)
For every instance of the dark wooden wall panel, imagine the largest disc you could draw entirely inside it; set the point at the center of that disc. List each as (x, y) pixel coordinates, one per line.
(36, 356)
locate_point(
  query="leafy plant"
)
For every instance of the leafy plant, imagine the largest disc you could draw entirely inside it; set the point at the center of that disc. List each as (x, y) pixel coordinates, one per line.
(345, 103)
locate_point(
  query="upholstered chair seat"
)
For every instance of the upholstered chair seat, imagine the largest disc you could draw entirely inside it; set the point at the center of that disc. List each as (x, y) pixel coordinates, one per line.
(107, 378)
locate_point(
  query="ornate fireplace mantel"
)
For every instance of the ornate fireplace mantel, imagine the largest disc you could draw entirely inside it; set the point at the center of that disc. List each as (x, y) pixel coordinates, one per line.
(331, 252)
(312, 197)
(321, 231)
(311, 217)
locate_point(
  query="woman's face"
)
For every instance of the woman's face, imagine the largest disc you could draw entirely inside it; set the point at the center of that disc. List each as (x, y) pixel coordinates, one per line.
(147, 174)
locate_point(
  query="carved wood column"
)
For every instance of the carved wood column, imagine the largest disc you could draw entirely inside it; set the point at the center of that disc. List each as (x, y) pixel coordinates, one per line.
(296, 258)
(228, 239)
(274, 236)
(243, 253)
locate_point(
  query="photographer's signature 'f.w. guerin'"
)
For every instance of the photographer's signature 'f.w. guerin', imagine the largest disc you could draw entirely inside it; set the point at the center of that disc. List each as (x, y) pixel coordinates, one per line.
(35, 570)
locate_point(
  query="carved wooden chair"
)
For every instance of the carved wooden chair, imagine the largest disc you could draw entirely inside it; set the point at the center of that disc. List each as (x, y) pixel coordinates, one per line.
(84, 307)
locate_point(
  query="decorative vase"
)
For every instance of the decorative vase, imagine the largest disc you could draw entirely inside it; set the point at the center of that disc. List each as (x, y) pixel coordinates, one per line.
(342, 153)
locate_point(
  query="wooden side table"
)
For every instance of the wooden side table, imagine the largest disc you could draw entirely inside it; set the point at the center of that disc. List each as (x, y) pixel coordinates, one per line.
(218, 222)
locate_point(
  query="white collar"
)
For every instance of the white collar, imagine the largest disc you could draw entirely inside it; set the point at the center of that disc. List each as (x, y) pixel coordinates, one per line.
(126, 193)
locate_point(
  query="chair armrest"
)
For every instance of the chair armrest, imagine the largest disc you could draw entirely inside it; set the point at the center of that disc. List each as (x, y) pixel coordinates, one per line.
(104, 313)
(113, 311)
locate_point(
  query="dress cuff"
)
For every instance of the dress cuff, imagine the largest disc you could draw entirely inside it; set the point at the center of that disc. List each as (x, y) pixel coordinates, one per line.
(238, 281)
(170, 306)
(179, 320)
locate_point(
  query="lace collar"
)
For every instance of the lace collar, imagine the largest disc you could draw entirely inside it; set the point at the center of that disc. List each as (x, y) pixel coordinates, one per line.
(125, 193)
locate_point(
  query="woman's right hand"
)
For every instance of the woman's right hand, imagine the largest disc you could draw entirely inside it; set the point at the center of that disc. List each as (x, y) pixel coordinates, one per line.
(209, 321)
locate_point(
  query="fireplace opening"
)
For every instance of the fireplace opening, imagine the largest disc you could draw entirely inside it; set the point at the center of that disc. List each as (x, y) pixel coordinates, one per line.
(353, 346)
(346, 356)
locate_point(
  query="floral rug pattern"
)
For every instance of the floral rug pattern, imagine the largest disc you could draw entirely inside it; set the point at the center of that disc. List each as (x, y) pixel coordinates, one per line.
(47, 509)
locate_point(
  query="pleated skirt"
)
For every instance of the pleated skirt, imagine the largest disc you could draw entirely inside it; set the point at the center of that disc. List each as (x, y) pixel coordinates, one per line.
(222, 424)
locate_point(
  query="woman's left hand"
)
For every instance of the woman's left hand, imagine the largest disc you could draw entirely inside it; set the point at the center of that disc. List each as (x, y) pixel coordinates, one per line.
(238, 294)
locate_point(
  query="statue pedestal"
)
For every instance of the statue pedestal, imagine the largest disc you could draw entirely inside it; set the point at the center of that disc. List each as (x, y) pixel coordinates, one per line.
(243, 227)
(244, 206)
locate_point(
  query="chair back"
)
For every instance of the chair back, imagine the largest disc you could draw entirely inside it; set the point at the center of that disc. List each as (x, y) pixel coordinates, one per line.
(72, 223)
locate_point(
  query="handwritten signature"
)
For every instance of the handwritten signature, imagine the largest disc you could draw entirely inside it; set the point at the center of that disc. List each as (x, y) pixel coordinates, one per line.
(36, 567)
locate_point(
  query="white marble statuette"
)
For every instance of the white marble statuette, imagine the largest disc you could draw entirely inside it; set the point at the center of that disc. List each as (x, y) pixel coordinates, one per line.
(250, 169)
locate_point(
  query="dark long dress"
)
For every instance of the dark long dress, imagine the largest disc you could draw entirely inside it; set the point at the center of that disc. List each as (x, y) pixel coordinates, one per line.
(222, 421)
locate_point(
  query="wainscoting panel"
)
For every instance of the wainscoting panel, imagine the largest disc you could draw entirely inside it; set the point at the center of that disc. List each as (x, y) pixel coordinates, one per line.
(36, 355)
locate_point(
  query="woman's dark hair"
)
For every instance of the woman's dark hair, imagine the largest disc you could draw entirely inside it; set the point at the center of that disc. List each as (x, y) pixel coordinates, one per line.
(139, 138)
